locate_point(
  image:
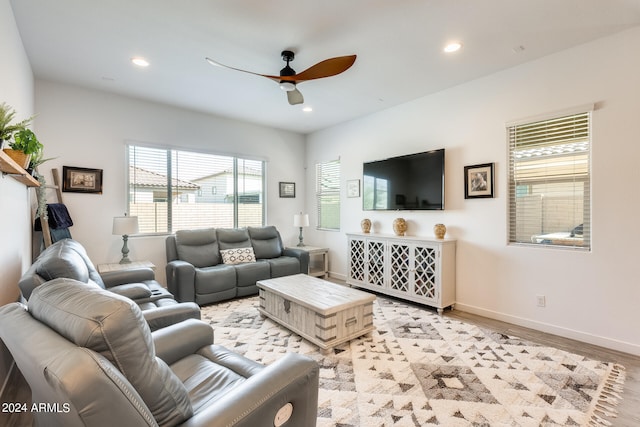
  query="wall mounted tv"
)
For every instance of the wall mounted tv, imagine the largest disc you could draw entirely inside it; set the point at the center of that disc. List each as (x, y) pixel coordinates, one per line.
(411, 182)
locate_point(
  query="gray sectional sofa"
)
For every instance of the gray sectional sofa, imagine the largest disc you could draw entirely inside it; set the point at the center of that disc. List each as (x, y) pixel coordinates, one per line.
(211, 265)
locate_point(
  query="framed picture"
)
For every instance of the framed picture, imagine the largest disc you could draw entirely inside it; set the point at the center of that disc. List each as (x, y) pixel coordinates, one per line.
(81, 180)
(478, 181)
(353, 188)
(287, 189)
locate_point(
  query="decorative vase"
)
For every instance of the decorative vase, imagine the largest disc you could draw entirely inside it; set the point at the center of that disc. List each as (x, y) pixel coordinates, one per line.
(399, 226)
(365, 224)
(439, 230)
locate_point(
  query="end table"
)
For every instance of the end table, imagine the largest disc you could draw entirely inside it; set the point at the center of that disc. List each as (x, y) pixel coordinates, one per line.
(318, 260)
(103, 268)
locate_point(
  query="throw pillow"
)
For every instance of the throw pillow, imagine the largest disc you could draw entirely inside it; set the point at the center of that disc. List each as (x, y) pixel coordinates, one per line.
(237, 255)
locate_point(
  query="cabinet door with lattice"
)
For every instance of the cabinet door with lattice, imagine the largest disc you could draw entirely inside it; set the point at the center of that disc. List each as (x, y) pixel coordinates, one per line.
(425, 272)
(399, 267)
(375, 262)
(356, 259)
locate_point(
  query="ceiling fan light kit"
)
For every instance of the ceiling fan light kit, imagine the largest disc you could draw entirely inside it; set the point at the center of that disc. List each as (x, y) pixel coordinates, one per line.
(287, 86)
(288, 79)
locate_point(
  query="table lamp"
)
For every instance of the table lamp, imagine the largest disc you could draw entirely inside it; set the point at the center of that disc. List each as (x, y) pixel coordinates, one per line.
(124, 226)
(300, 220)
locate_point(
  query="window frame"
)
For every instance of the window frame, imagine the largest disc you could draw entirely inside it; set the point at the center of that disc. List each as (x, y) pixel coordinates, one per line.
(323, 193)
(170, 152)
(516, 184)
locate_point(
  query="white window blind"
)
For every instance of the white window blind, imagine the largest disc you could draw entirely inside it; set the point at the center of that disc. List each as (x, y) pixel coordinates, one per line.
(328, 195)
(173, 190)
(550, 182)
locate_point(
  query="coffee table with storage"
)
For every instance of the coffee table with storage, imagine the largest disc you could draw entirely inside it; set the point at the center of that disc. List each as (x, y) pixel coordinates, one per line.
(325, 313)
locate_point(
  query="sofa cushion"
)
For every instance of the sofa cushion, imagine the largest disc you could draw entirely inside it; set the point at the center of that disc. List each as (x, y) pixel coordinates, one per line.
(215, 279)
(249, 273)
(198, 247)
(284, 266)
(238, 255)
(231, 238)
(114, 327)
(266, 242)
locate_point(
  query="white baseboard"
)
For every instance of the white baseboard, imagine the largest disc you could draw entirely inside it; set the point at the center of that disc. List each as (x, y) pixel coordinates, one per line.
(601, 341)
(337, 276)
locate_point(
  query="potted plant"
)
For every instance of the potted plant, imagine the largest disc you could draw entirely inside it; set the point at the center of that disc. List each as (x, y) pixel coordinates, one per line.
(24, 145)
(6, 117)
(24, 141)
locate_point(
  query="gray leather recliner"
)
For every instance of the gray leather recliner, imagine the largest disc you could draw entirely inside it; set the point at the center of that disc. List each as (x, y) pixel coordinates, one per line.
(90, 356)
(68, 259)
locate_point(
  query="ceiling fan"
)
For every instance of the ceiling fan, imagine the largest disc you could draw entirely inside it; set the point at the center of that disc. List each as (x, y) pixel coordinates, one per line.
(288, 79)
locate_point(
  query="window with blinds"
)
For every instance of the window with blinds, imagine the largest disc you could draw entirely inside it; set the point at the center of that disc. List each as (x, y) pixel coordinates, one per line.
(172, 190)
(328, 195)
(549, 182)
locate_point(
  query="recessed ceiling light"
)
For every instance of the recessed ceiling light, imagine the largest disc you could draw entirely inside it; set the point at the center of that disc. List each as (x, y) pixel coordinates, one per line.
(140, 62)
(307, 109)
(453, 47)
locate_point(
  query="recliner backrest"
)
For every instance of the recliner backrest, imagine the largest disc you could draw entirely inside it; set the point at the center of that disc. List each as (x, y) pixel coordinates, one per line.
(82, 387)
(266, 242)
(65, 258)
(232, 238)
(80, 250)
(198, 247)
(114, 327)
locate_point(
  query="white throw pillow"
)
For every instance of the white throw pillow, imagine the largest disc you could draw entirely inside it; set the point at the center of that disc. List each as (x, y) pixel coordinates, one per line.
(238, 255)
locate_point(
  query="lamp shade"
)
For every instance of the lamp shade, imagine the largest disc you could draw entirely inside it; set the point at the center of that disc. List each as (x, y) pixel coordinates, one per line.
(125, 225)
(301, 220)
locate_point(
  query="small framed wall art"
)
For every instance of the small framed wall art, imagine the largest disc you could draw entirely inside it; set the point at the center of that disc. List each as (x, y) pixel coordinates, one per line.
(353, 188)
(81, 180)
(478, 181)
(288, 189)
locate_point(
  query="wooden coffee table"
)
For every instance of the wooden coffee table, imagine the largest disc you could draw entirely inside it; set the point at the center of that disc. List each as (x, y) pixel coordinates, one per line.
(325, 313)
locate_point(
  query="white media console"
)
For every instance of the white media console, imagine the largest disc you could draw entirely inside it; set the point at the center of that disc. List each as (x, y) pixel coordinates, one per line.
(413, 268)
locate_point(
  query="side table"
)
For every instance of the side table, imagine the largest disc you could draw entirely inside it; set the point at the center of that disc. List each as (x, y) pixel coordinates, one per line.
(103, 268)
(318, 260)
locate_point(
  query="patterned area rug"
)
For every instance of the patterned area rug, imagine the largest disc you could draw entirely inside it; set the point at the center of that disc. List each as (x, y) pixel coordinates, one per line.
(420, 369)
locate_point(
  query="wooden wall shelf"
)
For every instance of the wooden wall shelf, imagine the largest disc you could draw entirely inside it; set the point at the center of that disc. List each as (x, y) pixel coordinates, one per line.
(11, 168)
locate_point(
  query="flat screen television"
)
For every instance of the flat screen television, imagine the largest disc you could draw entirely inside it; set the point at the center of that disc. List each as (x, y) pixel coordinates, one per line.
(411, 182)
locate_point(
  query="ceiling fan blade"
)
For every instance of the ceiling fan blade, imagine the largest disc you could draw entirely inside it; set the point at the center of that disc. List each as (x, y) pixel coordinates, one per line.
(327, 68)
(295, 97)
(218, 64)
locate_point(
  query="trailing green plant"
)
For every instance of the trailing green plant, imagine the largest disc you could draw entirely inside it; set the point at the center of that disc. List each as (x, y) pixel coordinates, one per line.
(41, 193)
(26, 141)
(6, 117)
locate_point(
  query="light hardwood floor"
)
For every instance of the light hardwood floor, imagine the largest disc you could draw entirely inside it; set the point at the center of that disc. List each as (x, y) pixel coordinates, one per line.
(628, 410)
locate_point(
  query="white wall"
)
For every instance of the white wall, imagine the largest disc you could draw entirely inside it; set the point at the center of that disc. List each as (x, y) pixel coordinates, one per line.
(86, 128)
(16, 89)
(590, 296)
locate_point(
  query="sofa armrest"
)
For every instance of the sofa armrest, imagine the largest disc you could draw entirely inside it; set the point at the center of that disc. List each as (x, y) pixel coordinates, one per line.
(302, 255)
(113, 278)
(181, 280)
(134, 291)
(292, 379)
(167, 315)
(179, 340)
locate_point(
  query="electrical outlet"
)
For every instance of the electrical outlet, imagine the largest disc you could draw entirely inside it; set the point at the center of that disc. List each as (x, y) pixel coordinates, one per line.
(542, 301)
